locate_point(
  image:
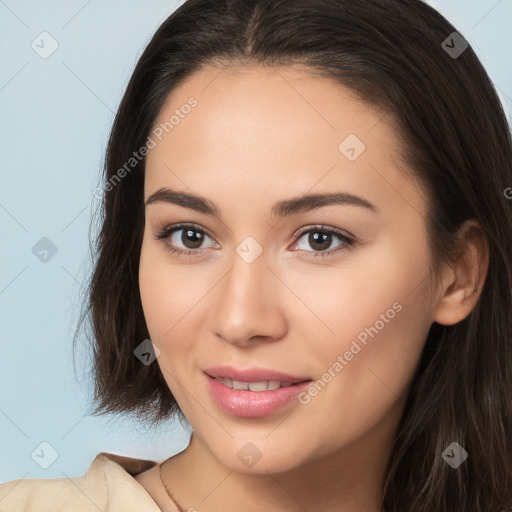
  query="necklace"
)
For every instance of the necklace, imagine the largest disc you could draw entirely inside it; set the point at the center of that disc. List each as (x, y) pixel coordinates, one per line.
(166, 489)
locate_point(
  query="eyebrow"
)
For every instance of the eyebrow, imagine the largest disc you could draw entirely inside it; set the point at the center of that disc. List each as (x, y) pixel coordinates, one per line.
(279, 209)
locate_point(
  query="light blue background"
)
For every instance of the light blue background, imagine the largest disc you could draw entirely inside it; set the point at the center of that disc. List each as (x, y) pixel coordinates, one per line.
(56, 114)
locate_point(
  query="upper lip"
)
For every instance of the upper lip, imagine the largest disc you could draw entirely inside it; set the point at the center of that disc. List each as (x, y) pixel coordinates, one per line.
(252, 374)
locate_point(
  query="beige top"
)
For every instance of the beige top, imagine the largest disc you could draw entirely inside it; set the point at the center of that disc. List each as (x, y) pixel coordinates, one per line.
(107, 486)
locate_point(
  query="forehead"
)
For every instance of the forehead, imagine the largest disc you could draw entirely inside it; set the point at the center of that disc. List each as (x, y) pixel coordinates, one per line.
(275, 132)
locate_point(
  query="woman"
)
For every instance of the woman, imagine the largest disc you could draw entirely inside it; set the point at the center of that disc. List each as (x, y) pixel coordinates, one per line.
(304, 254)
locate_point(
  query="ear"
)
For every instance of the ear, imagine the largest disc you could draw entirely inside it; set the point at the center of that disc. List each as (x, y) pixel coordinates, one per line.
(465, 278)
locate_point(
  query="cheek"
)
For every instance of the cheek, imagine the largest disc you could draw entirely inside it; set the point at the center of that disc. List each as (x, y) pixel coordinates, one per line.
(174, 300)
(374, 298)
(368, 384)
(354, 332)
(375, 324)
(165, 296)
(153, 285)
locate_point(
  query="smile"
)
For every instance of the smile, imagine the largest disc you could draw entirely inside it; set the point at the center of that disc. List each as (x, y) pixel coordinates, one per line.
(254, 386)
(252, 399)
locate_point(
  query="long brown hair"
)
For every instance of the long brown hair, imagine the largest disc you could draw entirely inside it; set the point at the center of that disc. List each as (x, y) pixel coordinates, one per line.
(456, 144)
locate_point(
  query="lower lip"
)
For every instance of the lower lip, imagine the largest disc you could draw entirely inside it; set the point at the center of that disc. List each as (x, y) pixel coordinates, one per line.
(252, 404)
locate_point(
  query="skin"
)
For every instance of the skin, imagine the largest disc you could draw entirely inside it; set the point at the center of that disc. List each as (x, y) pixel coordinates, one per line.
(257, 136)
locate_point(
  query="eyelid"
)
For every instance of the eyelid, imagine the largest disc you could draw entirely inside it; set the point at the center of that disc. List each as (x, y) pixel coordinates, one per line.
(167, 229)
(323, 227)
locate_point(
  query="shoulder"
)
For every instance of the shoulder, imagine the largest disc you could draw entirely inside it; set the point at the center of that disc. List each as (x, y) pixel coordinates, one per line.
(107, 485)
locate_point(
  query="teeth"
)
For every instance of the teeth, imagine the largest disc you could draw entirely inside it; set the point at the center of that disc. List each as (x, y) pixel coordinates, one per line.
(239, 385)
(254, 386)
(264, 386)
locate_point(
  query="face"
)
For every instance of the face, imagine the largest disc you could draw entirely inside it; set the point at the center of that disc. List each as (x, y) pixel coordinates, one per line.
(333, 292)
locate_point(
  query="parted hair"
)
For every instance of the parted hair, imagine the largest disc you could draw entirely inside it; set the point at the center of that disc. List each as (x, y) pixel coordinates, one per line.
(398, 55)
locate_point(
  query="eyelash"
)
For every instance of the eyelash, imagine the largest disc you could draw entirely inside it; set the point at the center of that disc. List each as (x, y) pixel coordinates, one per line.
(166, 232)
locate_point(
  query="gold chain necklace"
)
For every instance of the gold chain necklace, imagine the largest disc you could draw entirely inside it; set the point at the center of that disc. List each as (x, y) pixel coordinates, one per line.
(166, 489)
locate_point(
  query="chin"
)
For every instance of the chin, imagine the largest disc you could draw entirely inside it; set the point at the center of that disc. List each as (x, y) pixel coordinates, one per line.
(257, 456)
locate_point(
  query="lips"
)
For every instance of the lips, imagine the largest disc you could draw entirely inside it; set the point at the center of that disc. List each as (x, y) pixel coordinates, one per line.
(253, 404)
(253, 375)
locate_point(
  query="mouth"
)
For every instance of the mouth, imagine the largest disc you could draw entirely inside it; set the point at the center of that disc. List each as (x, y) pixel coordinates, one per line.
(257, 386)
(254, 398)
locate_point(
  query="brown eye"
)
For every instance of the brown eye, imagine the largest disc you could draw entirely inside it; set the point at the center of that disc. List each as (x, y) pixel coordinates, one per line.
(188, 236)
(320, 239)
(191, 238)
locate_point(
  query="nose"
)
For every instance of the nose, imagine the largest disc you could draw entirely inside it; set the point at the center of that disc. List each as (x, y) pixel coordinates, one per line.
(249, 303)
